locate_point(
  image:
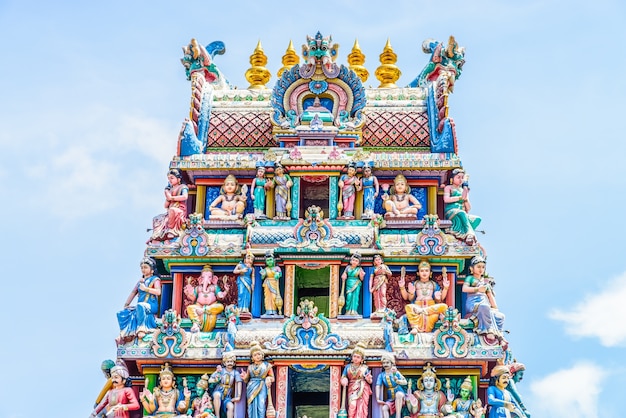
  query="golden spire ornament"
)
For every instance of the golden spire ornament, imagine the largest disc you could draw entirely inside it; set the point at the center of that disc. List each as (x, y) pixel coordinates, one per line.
(258, 75)
(388, 73)
(356, 59)
(290, 59)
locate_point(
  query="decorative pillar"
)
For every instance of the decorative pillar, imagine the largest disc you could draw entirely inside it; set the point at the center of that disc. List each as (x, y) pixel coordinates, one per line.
(367, 295)
(295, 198)
(257, 294)
(335, 390)
(269, 201)
(241, 407)
(375, 407)
(333, 195)
(432, 200)
(451, 296)
(290, 274)
(282, 387)
(177, 297)
(334, 290)
(200, 198)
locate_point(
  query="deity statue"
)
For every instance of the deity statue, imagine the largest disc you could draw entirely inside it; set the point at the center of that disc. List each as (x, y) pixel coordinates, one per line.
(389, 392)
(170, 226)
(204, 306)
(245, 282)
(202, 404)
(464, 406)
(357, 379)
(258, 190)
(165, 401)
(231, 202)
(348, 184)
(106, 367)
(271, 276)
(400, 202)
(370, 192)
(136, 321)
(282, 184)
(120, 399)
(425, 298)
(378, 286)
(352, 278)
(259, 378)
(481, 302)
(457, 207)
(228, 384)
(427, 401)
(499, 398)
(517, 374)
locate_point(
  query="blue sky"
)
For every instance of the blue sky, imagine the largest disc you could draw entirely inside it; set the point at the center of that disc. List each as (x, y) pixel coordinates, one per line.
(93, 96)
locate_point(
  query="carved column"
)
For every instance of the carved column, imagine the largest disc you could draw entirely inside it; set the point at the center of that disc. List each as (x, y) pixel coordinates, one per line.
(290, 274)
(333, 195)
(282, 387)
(335, 390)
(200, 198)
(334, 290)
(177, 297)
(295, 198)
(431, 200)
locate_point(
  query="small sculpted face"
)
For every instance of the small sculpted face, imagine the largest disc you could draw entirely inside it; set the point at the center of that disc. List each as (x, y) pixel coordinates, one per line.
(503, 380)
(229, 363)
(400, 186)
(351, 171)
(478, 270)
(424, 273)
(172, 179)
(464, 394)
(378, 260)
(167, 382)
(230, 186)
(354, 262)
(458, 178)
(206, 277)
(279, 171)
(429, 382)
(270, 262)
(146, 270)
(257, 356)
(387, 364)
(117, 381)
(260, 172)
(367, 171)
(357, 358)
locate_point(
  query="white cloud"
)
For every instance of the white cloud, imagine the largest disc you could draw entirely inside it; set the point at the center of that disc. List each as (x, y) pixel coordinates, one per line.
(559, 394)
(599, 315)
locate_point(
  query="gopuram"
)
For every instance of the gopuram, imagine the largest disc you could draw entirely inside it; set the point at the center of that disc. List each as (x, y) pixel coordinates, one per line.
(318, 255)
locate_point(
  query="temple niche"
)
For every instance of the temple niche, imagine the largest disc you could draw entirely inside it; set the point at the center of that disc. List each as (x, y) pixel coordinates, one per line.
(318, 254)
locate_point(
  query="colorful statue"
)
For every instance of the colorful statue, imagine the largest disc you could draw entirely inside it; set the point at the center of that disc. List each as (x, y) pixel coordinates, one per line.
(259, 378)
(231, 202)
(370, 192)
(352, 282)
(357, 379)
(137, 321)
(457, 207)
(400, 202)
(481, 302)
(428, 400)
(106, 367)
(228, 384)
(165, 401)
(258, 189)
(245, 282)
(463, 406)
(204, 306)
(232, 319)
(202, 404)
(388, 319)
(282, 193)
(499, 398)
(120, 399)
(425, 298)
(517, 374)
(271, 276)
(170, 226)
(378, 286)
(349, 184)
(389, 392)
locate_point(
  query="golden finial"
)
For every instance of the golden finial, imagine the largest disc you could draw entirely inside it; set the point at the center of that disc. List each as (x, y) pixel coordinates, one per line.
(356, 59)
(388, 73)
(258, 75)
(290, 59)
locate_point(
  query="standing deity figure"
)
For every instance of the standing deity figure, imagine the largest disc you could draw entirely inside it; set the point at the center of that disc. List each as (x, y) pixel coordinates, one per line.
(427, 401)
(202, 404)
(400, 202)
(271, 276)
(517, 374)
(457, 207)
(231, 202)
(357, 379)
(136, 321)
(204, 306)
(463, 406)
(352, 282)
(165, 401)
(349, 184)
(499, 398)
(228, 384)
(258, 190)
(106, 367)
(245, 282)
(378, 286)
(371, 189)
(389, 392)
(481, 302)
(425, 298)
(120, 399)
(171, 225)
(282, 184)
(259, 378)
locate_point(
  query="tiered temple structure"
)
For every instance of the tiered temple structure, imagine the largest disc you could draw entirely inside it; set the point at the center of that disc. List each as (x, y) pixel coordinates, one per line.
(318, 255)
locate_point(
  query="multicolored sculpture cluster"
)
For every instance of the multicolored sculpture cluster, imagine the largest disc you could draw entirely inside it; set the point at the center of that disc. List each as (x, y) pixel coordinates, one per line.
(318, 255)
